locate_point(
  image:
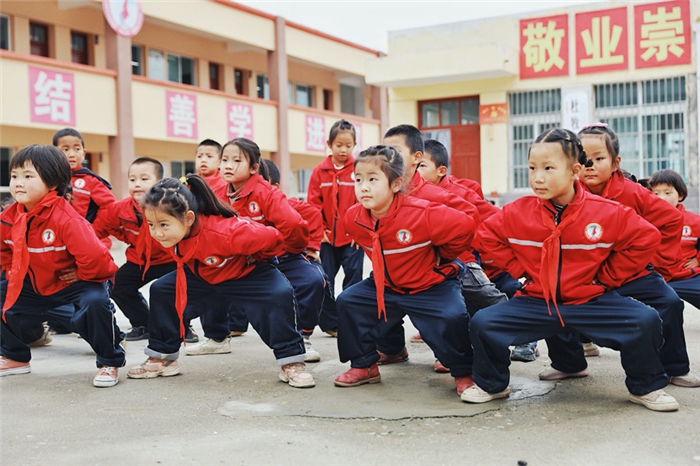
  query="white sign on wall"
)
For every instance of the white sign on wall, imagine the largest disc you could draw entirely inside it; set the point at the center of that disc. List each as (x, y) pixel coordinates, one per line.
(575, 108)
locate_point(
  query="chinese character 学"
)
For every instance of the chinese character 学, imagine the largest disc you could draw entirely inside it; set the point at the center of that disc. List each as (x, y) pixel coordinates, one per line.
(240, 118)
(315, 134)
(543, 46)
(662, 33)
(600, 42)
(182, 115)
(53, 97)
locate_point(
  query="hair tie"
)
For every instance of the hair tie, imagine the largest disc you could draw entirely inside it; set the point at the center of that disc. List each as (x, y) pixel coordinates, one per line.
(183, 180)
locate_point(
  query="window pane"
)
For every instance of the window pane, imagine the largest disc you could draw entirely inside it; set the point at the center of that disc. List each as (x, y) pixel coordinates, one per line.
(290, 93)
(38, 39)
(173, 68)
(664, 90)
(156, 64)
(430, 115)
(176, 169)
(523, 136)
(78, 45)
(136, 60)
(449, 111)
(37, 33)
(470, 111)
(187, 70)
(4, 33)
(347, 99)
(263, 88)
(304, 96)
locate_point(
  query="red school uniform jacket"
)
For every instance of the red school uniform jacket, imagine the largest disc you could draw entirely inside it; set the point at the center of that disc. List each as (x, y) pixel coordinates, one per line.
(262, 202)
(486, 209)
(125, 221)
(467, 183)
(57, 238)
(215, 182)
(414, 236)
(602, 245)
(661, 214)
(332, 191)
(313, 217)
(90, 193)
(690, 244)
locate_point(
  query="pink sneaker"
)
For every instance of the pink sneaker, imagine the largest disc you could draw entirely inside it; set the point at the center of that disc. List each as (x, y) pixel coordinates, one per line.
(11, 367)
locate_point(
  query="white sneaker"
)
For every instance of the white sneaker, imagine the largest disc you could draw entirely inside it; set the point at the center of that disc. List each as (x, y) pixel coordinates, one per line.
(658, 400)
(107, 376)
(590, 350)
(209, 346)
(44, 340)
(311, 354)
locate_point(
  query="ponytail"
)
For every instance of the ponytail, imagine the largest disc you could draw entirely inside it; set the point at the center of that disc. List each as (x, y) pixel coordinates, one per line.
(177, 197)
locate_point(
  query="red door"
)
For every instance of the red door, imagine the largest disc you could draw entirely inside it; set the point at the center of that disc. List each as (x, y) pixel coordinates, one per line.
(466, 152)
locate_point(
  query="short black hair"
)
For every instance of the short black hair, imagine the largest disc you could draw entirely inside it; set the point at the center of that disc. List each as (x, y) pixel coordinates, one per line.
(437, 152)
(49, 162)
(411, 134)
(672, 178)
(67, 132)
(211, 143)
(272, 174)
(157, 165)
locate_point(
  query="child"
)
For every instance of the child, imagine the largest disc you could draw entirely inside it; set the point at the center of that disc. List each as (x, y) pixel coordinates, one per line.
(207, 162)
(146, 259)
(602, 176)
(331, 190)
(412, 244)
(669, 185)
(571, 246)
(251, 196)
(219, 257)
(42, 237)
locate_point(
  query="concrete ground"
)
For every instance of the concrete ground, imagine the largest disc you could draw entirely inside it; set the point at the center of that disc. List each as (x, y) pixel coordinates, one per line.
(232, 409)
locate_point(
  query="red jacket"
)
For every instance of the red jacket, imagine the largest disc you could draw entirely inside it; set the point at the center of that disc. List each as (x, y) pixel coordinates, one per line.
(226, 248)
(602, 245)
(467, 183)
(90, 193)
(216, 182)
(690, 244)
(264, 203)
(414, 235)
(325, 181)
(486, 209)
(661, 214)
(314, 218)
(58, 238)
(120, 220)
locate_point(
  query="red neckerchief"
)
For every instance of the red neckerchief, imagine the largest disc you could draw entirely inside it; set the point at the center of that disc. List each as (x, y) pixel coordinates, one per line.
(144, 241)
(549, 265)
(20, 252)
(181, 279)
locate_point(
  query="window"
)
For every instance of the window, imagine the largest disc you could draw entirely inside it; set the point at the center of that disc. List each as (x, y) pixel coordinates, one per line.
(79, 47)
(328, 100)
(531, 113)
(39, 39)
(449, 112)
(137, 60)
(241, 81)
(180, 69)
(263, 87)
(300, 94)
(303, 177)
(179, 168)
(348, 99)
(156, 64)
(650, 120)
(4, 32)
(214, 76)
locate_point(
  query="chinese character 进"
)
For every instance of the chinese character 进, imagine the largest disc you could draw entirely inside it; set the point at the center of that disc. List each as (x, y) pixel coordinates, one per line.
(601, 42)
(315, 133)
(53, 98)
(182, 115)
(662, 33)
(543, 46)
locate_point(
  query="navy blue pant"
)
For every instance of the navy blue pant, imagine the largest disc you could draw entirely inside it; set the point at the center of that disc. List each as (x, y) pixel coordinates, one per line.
(92, 318)
(612, 321)
(688, 289)
(438, 313)
(507, 284)
(350, 258)
(126, 294)
(653, 291)
(328, 320)
(264, 295)
(308, 284)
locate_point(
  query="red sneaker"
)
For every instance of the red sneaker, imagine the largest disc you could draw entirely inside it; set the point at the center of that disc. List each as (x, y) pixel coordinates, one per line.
(385, 359)
(417, 338)
(440, 368)
(355, 377)
(463, 383)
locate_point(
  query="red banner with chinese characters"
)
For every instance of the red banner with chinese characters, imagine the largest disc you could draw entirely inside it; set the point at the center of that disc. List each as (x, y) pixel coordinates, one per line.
(493, 113)
(601, 41)
(662, 34)
(544, 47)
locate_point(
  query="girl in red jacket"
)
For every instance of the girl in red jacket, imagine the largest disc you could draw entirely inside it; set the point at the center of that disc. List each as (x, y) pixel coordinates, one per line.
(332, 191)
(573, 248)
(413, 245)
(219, 257)
(669, 186)
(42, 238)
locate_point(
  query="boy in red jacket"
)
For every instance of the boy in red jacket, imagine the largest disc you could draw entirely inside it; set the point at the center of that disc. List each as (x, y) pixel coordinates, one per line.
(42, 238)
(207, 162)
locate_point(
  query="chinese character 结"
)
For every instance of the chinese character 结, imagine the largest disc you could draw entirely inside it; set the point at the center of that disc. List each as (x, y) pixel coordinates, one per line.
(53, 97)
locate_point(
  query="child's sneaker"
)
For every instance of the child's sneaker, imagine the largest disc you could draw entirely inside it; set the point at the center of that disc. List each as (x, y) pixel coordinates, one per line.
(296, 375)
(311, 354)
(359, 376)
(153, 367)
(137, 333)
(525, 353)
(658, 400)
(591, 350)
(12, 367)
(190, 335)
(236, 333)
(440, 368)
(688, 380)
(417, 338)
(332, 333)
(474, 394)
(385, 359)
(44, 340)
(107, 376)
(209, 346)
(553, 374)
(463, 383)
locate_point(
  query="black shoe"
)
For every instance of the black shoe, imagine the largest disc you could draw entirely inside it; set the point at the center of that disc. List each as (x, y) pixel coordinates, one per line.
(137, 333)
(190, 336)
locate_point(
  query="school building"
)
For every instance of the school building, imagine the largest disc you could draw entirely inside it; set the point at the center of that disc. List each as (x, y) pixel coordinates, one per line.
(487, 88)
(194, 70)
